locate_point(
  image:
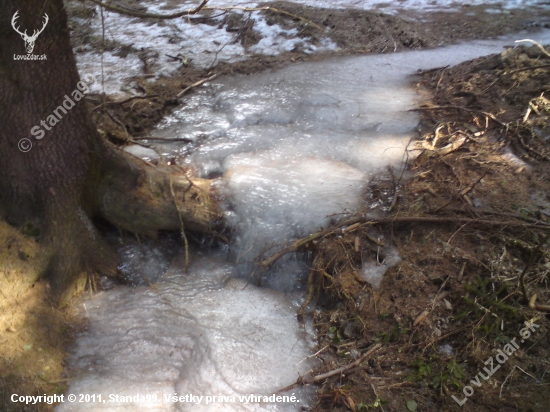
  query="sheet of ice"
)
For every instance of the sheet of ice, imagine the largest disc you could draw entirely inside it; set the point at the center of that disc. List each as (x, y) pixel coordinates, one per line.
(199, 333)
(142, 152)
(298, 145)
(293, 147)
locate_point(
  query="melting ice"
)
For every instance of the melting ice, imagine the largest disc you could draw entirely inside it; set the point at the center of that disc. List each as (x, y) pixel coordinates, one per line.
(290, 148)
(298, 145)
(200, 333)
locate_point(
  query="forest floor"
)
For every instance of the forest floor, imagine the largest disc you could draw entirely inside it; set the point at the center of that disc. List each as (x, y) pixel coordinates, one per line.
(471, 223)
(453, 300)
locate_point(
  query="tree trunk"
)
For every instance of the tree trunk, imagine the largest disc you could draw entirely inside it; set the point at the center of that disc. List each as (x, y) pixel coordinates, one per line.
(70, 173)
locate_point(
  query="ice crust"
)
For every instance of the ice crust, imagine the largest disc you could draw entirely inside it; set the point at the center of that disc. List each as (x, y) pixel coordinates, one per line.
(293, 149)
(200, 333)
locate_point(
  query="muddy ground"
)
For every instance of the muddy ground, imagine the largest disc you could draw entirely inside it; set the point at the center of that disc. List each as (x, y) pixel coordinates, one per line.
(453, 300)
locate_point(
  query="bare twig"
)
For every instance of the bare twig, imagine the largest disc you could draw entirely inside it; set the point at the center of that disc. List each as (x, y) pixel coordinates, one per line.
(182, 227)
(129, 12)
(301, 242)
(542, 66)
(305, 381)
(395, 220)
(165, 139)
(196, 84)
(536, 43)
(489, 115)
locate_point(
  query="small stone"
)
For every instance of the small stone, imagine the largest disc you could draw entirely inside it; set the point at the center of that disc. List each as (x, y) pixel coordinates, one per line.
(11, 329)
(349, 331)
(27, 348)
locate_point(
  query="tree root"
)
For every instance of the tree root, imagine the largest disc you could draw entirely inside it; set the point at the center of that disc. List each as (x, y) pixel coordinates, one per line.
(76, 252)
(142, 198)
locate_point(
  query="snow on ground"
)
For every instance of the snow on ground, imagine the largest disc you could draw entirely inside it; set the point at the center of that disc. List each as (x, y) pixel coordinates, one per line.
(160, 48)
(164, 46)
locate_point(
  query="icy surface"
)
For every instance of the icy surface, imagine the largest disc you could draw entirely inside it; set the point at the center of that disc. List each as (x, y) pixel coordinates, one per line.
(293, 149)
(199, 333)
(373, 272)
(298, 145)
(142, 152)
(162, 48)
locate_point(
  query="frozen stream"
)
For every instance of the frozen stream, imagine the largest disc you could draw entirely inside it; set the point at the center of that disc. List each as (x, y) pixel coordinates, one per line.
(289, 148)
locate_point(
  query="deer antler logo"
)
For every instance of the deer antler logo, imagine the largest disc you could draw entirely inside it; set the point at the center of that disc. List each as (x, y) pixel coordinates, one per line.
(29, 40)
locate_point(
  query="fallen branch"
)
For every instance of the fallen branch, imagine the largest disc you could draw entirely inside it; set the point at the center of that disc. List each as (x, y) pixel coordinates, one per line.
(129, 12)
(391, 221)
(202, 6)
(196, 84)
(489, 115)
(306, 381)
(301, 242)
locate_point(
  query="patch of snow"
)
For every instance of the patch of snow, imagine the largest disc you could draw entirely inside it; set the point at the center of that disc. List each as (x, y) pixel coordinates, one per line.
(386, 5)
(198, 332)
(161, 48)
(373, 272)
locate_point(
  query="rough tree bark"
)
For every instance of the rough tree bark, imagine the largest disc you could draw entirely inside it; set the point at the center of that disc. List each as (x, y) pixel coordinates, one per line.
(72, 174)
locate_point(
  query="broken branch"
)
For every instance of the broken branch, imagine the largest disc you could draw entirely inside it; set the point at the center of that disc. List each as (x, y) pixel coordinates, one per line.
(305, 381)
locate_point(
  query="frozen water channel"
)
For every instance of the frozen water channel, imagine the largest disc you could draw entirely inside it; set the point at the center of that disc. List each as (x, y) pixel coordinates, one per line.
(290, 148)
(156, 48)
